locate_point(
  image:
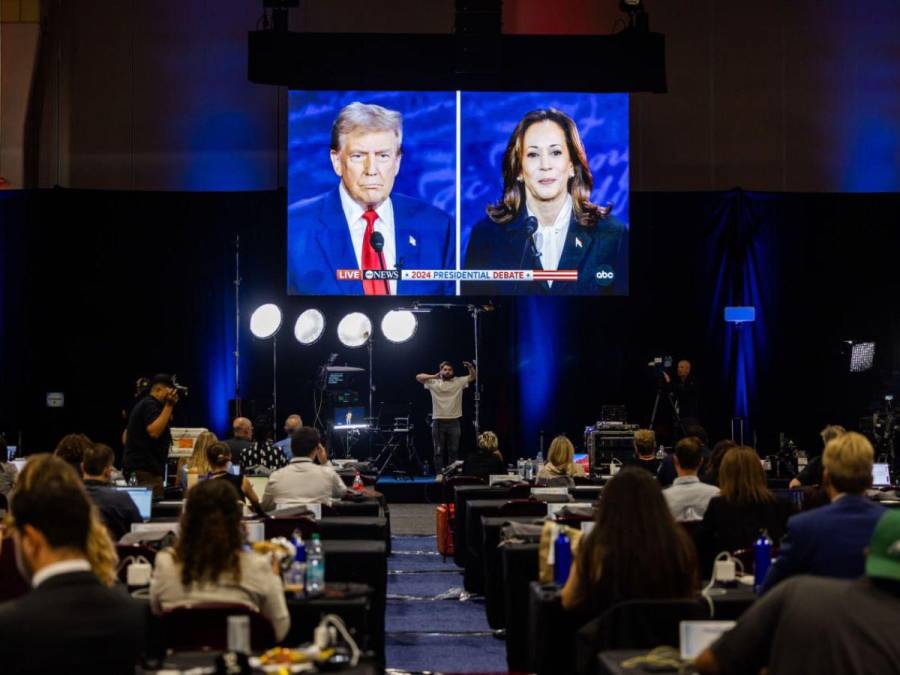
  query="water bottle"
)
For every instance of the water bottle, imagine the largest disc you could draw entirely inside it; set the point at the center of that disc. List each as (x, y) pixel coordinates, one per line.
(295, 578)
(762, 558)
(562, 558)
(539, 461)
(358, 483)
(315, 567)
(132, 480)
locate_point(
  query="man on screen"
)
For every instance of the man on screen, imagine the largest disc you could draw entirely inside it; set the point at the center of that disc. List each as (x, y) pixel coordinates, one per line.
(344, 228)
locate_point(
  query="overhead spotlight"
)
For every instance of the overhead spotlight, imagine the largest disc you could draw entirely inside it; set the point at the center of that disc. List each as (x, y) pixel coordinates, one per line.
(637, 15)
(354, 330)
(309, 327)
(862, 356)
(265, 321)
(399, 325)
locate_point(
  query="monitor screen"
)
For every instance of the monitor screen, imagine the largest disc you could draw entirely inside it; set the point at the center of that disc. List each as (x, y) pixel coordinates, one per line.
(457, 193)
(349, 416)
(881, 475)
(142, 498)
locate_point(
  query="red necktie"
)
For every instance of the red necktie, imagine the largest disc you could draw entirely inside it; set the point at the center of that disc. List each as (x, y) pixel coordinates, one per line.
(370, 258)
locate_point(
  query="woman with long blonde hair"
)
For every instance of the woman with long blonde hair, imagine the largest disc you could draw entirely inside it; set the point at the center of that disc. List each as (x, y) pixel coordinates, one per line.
(197, 463)
(561, 460)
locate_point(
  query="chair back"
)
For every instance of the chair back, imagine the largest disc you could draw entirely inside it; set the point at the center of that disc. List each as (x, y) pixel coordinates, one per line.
(635, 624)
(448, 490)
(204, 626)
(12, 583)
(520, 491)
(523, 507)
(284, 527)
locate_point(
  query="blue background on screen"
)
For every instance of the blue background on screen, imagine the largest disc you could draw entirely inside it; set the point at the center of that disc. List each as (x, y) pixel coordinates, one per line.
(489, 118)
(428, 168)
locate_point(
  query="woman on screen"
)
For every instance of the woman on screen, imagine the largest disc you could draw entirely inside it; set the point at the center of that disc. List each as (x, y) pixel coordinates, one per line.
(544, 220)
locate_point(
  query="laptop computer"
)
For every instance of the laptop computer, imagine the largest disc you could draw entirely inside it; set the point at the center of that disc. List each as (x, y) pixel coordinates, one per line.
(142, 498)
(881, 475)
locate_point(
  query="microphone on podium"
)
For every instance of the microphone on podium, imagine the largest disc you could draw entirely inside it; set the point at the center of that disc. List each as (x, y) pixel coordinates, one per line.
(531, 226)
(376, 241)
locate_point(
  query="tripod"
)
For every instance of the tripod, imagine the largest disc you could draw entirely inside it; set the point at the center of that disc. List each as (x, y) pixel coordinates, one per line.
(673, 408)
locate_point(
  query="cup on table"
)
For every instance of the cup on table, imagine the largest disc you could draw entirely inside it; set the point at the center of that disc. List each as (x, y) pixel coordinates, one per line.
(724, 572)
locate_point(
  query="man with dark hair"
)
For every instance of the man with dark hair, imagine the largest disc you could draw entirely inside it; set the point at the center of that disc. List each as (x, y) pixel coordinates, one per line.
(687, 496)
(71, 449)
(446, 410)
(148, 438)
(69, 621)
(116, 508)
(830, 541)
(811, 624)
(306, 479)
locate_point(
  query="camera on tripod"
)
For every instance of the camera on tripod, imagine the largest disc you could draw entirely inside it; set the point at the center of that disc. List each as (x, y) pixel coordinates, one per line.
(660, 364)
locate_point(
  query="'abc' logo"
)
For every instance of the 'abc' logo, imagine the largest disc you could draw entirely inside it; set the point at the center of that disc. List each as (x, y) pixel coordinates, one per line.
(368, 274)
(605, 275)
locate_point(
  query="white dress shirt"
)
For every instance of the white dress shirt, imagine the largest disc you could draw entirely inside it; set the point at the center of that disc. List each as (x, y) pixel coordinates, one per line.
(353, 212)
(55, 569)
(302, 482)
(551, 239)
(688, 498)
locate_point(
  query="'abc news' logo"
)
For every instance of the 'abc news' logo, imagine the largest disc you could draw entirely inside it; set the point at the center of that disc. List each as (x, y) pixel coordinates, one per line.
(381, 275)
(605, 275)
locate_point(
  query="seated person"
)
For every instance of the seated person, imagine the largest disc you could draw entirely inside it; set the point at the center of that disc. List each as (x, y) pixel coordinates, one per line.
(219, 457)
(709, 474)
(818, 625)
(830, 541)
(560, 460)
(687, 496)
(242, 436)
(209, 564)
(645, 451)
(7, 470)
(291, 424)
(116, 508)
(744, 508)
(197, 465)
(306, 479)
(812, 472)
(70, 620)
(635, 551)
(486, 460)
(666, 474)
(71, 449)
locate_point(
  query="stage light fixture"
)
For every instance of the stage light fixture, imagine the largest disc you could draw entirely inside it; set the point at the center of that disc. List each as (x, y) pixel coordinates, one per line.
(862, 356)
(265, 321)
(309, 327)
(399, 325)
(354, 329)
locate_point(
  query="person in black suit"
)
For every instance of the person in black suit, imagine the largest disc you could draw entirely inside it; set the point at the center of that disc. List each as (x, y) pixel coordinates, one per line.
(70, 621)
(545, 219)
(116, 508)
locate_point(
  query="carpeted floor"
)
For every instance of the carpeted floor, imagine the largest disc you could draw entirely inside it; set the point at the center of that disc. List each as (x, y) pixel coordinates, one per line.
(428, 627)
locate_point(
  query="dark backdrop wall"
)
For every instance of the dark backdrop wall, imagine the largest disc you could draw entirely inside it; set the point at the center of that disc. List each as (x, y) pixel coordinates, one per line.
(98, 288)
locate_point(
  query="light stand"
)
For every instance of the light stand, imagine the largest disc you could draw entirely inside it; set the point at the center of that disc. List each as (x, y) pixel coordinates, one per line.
(237, 326)
(274, 386)
(475, 311)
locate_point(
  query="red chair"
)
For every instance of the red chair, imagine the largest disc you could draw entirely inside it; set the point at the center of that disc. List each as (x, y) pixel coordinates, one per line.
(284, 527)
(12, 583)
(204, 627)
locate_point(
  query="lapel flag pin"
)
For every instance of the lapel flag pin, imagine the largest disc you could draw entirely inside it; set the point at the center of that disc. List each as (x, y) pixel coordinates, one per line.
(578, 243)
(412, 240)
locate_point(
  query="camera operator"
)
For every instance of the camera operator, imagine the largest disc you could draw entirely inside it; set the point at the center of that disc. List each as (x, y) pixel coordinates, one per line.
(147, 438)
(686, 392)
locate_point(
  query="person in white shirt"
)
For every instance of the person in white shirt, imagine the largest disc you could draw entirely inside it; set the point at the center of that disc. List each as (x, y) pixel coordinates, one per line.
(307, 479)
(208, 563)
(687, 496)
(446, 410)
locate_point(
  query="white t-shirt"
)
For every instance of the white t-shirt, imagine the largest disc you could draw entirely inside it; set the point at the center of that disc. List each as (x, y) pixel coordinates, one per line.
(446, 397)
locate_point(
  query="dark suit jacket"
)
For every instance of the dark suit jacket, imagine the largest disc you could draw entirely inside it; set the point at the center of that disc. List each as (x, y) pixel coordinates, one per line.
(319, 243)
(499, 247)
(116, 508)
(71, 623)
(828, 542)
